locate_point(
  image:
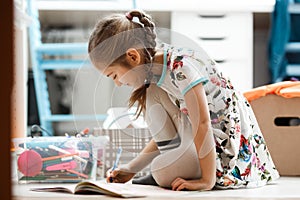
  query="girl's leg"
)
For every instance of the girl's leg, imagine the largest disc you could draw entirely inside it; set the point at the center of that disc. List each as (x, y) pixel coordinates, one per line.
(160, 116)
(173, 135)
(161, 126)
(181, 162)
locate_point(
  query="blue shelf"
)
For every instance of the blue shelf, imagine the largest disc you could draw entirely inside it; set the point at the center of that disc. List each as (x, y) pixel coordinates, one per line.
(62, 48)
(68, 117)
(54, 56)
(293, 47)
(293, 69)
(64, 64)
(294, 8)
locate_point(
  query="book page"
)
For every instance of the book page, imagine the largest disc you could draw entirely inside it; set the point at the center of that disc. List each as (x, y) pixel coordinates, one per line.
(63, 188)
(111, 189)
(126, 190)
(130, 190)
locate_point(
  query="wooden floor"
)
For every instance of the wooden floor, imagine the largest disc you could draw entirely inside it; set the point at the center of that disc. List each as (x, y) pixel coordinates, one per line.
(153, 198)
(285, 188)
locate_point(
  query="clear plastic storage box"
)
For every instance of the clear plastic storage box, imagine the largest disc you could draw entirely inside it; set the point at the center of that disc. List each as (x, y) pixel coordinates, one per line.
(60, 159)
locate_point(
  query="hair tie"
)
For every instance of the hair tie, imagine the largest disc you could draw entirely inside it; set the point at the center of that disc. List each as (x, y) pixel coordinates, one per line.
(147, 85)
(129, 16)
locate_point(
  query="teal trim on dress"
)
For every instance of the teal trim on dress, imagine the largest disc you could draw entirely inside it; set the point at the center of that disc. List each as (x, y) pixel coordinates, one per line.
(163, 74)
(190, 86)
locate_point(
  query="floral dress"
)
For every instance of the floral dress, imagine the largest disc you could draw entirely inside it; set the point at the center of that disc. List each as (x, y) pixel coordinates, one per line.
(243, 159)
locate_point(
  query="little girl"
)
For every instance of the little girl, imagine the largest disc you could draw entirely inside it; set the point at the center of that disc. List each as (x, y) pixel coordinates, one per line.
(204, 132)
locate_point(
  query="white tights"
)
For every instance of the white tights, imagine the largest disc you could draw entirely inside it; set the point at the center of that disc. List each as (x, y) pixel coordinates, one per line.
(171, 130)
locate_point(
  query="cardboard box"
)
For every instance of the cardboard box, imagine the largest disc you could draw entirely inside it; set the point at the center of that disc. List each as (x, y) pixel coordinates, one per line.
(59, 159)
(278, 118)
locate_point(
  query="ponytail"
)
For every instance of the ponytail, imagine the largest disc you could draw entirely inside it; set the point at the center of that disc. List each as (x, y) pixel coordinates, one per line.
(140, 96)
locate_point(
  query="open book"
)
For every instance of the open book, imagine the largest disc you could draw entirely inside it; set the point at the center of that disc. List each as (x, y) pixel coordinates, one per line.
(112, 189)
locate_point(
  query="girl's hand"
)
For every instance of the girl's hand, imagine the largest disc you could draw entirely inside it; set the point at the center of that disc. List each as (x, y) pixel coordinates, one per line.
(182, 184)
(118, 176)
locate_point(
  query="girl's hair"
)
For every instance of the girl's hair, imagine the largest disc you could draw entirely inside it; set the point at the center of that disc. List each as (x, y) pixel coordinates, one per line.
(114, 35)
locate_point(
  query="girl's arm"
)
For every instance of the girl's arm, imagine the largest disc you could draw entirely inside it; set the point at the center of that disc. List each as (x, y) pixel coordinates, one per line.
(199, 115)
(144, 158)
(127, 171)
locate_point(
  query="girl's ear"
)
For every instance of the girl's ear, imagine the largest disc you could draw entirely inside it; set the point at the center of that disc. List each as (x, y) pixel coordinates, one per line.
(133, 57)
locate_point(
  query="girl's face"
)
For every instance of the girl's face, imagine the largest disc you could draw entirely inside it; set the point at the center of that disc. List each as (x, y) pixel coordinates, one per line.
(133, 74)
(122, 75)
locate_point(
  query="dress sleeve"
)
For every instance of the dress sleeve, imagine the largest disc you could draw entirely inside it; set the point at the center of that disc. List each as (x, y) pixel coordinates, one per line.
(188, 72)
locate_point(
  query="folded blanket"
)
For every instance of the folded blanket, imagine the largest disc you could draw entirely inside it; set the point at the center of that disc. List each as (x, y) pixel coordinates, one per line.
(287, 89)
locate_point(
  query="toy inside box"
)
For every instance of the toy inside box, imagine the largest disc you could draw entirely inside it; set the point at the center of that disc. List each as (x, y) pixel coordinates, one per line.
(60, 159)
(279, 120)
